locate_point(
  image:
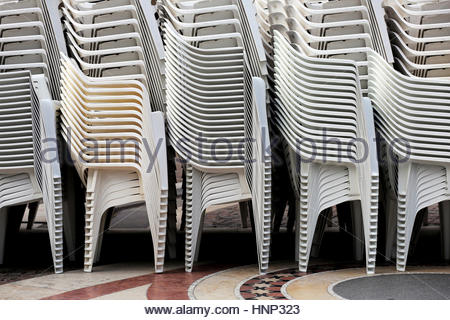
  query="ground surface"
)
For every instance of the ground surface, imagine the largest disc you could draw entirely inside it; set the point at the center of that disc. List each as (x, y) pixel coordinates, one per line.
(226, 268)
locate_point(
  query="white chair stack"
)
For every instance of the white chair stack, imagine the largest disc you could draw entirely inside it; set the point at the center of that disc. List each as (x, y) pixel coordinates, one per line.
(119, 149)
(412, 115)
(216, 111)
(327, 29)
(420, 36)
(30, 40)
(329, 129)
(419, 32)
(117, 39)
(262, 18)
(117, 43)
(344, 29)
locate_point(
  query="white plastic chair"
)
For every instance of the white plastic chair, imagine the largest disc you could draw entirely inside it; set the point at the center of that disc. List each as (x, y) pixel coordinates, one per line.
(30, 168)
(118, 38)
(216, 91)
(334, 29)
(97, 115)
(313, 94)
(31, 41)
(420, 37)
(421, 173)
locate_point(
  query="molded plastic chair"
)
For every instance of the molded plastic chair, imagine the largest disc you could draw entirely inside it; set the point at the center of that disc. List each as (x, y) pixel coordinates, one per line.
(216, 89)
(420, 170)
(31, 40)
(119, 149)
(314, 95)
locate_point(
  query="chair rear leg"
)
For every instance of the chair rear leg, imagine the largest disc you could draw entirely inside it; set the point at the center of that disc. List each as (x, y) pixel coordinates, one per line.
(3, 224)
(369, 214)
(391, 227)
(73, 210)
(324, 217)
(297, 229)
(357, 231)
(32, 211)
(406, 210)
(243, 209)
(194, 216)
(405, 222)
(418, 223)
(444, 215)
(104, 226)
(308, 213)
(93, 219)
(172, 204)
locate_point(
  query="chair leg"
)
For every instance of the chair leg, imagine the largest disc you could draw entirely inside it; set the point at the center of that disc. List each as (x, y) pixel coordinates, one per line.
(194, 216)
(263, 236)
(92, 230)
(297, 229)
(55, 224)
(444, 215)
(369, 215)
(426, 219)
(405, 220)
(357, 231)
(406, 212)
(172, 204)
(158, 229)
(418, 223)
(73, 210)
(291, 214)
(183, 197)
(104, 226)
(252, 219)
(320, 230)
(32, 211)
(243, 209)
(93, 219)
(309, 213)
(391, 226)
(3, 224)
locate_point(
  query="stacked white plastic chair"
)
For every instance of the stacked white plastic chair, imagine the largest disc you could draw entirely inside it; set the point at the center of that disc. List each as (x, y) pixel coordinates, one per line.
(117, 38)
(420, 39)
(30, 41)
(344, 29)
(119, 149)
(32, 38)
(116, 44)
(216, 97)
(420, 36)
(412, 114)
(329, 129)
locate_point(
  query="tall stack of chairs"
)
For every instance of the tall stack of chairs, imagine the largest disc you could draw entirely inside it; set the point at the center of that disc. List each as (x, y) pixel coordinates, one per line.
(30, 43)
(216, 89)
(110, 88)
(419, 31)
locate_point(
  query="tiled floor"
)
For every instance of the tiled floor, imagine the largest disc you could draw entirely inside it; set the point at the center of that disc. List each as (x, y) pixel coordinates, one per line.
(207, 281)
(223, 272)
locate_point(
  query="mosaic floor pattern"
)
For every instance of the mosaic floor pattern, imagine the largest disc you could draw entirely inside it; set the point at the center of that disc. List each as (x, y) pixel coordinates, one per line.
(207, 281)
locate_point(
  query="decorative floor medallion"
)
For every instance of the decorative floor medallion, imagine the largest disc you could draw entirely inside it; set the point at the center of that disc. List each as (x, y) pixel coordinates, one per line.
(268, 286)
